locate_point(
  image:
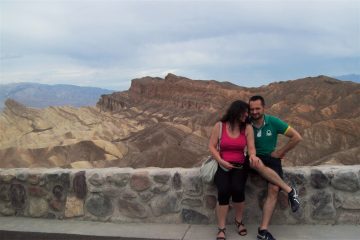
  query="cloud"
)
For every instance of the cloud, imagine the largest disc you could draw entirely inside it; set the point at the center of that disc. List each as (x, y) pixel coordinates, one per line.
(107, 43)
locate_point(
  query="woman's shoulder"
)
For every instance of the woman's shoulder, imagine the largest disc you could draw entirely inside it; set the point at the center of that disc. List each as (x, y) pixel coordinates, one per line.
(217, 124)
(248, 127)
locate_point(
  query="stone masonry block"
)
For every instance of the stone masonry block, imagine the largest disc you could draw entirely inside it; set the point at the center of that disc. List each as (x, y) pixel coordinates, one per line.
(346, 181)
(318, 179)
(140, 181)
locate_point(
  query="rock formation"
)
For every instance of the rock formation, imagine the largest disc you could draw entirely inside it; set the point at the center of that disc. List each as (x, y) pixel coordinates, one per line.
(167, 122)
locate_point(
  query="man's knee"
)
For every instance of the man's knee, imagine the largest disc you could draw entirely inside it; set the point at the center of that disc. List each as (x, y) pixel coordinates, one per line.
(260, 167)
(273, 191)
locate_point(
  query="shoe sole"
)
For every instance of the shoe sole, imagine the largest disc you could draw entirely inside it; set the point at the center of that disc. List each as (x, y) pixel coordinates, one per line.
(261, 238)
(297, 208)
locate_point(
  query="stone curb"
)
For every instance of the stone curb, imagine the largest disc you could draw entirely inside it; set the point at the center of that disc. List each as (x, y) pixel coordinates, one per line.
(18, 228)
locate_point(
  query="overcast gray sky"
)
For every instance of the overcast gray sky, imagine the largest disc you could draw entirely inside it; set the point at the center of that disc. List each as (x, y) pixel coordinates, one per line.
(107, 43)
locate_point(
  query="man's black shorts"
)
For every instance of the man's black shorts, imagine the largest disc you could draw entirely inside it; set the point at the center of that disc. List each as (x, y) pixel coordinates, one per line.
(273, 163)
(269, 161)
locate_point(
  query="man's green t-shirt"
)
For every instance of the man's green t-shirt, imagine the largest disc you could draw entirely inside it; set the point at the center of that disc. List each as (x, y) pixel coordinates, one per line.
(266, 135)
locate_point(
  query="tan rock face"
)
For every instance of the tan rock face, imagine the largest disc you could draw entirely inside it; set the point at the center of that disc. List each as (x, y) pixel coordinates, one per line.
(74, 137)
(167, 123)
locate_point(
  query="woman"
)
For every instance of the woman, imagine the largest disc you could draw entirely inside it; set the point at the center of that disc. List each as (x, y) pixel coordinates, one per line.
(230, 178)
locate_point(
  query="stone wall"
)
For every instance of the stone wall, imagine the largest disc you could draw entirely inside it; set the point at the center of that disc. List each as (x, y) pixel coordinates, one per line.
(329, 195)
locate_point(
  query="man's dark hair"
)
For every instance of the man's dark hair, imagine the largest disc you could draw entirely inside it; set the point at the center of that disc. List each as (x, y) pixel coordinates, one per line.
(234, 113)
(257, 97)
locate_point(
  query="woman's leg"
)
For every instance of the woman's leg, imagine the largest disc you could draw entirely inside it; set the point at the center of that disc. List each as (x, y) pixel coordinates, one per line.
(239, 210)
(221, 213)
(238, 180)
(222, 182)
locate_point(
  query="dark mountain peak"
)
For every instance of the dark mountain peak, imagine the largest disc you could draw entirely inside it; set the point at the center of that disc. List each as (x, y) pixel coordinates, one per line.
(20, 109)
(12, 104)
(326, 79)
(310, 83)
(172, 77)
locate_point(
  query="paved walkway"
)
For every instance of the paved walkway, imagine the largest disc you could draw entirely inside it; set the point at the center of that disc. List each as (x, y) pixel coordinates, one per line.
(16, 228)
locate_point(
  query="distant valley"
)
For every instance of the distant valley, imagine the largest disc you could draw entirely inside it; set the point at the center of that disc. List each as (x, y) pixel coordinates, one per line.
(43, 95)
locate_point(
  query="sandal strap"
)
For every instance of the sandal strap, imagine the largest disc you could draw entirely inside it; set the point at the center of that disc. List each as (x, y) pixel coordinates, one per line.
(221, 230)
(238, 224)
(243, 231)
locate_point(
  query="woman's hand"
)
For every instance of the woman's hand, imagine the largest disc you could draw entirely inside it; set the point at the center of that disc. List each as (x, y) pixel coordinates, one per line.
(254, 161)
(226, 164)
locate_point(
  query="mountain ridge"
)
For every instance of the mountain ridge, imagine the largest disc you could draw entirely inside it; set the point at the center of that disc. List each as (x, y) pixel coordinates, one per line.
(166, 122)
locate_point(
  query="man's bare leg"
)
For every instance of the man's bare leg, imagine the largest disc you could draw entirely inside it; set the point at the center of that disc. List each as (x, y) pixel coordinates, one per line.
(272, 177)
(269, 205)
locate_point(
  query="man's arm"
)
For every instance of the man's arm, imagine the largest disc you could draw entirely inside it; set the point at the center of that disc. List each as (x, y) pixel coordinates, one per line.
(295, 138)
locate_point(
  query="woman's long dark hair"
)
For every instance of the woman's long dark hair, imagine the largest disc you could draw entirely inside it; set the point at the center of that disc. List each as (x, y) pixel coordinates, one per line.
(234, 113)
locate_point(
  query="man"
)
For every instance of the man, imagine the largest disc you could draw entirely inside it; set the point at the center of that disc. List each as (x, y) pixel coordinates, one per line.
(266, 128)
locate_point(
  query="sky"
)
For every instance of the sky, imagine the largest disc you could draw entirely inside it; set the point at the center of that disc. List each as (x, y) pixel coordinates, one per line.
(107, 43)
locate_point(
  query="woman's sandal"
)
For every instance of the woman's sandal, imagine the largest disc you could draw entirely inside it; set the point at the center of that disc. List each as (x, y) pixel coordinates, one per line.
(242, 232)
(221, 230)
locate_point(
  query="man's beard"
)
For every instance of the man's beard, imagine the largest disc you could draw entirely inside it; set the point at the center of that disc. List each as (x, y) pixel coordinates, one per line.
(259, 116)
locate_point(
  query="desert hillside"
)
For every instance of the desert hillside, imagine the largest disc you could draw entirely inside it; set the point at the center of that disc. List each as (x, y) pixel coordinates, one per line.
(167, 122)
